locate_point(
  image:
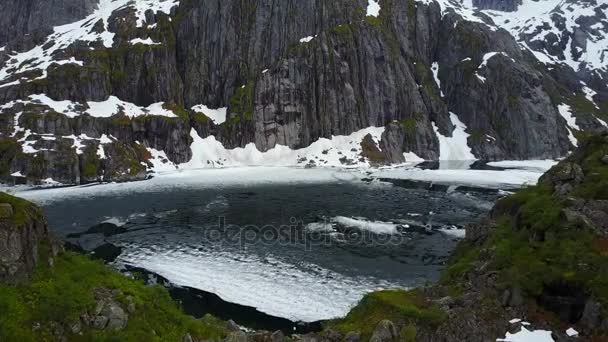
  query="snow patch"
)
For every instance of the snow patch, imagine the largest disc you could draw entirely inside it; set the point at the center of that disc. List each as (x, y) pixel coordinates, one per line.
(339, 151)
(435, 70)
(526, 335)
(218, 116)
(455, 147)
(566, 112)
(147, 41)
(373, 8)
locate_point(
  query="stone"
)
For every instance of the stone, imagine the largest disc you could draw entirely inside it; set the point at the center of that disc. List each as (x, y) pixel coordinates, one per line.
(187, 338)
(6, 210)
(75, 327)
(385, 332)
(99, 322)
(592, 315)
(237, 336)
(352, 336)
(232, 326)
(605, 159)
(277, 336)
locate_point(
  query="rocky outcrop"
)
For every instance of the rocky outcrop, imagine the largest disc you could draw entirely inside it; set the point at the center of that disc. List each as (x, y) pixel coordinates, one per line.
(24, 239)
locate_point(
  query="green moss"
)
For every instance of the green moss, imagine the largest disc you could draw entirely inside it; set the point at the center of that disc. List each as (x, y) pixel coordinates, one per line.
(408, 333)
(9, 150)
(401, 307)
(241, 101)
(23, 211)
(581, 104)
(463, 261)
(62, 293)
(409, 125)
(200, 118)
(373, 21)
(179, 110)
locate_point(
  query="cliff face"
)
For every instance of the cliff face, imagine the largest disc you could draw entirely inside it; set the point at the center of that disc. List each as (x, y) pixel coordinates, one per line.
(287, 73)
(38, 17)
(24, 238)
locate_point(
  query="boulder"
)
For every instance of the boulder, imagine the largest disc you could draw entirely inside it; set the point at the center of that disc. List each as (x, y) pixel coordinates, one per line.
(352, 336)
(237, 336)
(385, 331)
(232, 326)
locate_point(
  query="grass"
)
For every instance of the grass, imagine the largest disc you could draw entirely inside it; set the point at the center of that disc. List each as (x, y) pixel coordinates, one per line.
(402, 307)
(62, 293)
(23, 210)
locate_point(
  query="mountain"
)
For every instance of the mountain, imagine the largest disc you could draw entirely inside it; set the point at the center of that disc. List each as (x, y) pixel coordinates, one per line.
(120, 89)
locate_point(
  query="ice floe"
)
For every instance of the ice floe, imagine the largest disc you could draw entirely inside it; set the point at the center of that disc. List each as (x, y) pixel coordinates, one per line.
(268, 284)
(375, 227)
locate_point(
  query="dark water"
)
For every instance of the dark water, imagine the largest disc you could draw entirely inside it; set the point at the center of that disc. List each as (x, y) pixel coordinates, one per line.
(252, 247)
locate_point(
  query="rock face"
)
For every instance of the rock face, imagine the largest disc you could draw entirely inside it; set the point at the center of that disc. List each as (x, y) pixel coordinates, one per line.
(23, 233)
(289, 73)
(24, 17)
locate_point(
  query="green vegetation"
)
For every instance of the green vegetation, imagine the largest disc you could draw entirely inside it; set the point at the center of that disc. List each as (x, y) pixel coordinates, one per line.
(402, 307)
(536, 246)
(179, 110)
(9, 150)
(409, 125)
(22, 211)
(62, 293)
(241, 101)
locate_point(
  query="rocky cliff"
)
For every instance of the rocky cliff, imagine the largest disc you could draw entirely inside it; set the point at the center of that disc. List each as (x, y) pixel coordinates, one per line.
(134, 86)
(24, 239)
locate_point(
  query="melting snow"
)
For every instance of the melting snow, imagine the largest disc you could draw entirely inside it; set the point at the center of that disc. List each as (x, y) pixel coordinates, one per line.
(210, 153)
(526, 335)
(218, 116)
(147, 41)
(307, 39)
(455, 147)
(435, 70)
(373, 8)
(566, 112)
(571, 332)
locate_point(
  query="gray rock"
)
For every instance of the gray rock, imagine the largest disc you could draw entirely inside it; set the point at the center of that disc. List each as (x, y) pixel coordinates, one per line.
(99, 322)
(592, 315)
(75, 327)
(187, 338)
(605, 159)
(352, 336)
(232, 326)
(385, 332)
(277, 336)
(237, 336)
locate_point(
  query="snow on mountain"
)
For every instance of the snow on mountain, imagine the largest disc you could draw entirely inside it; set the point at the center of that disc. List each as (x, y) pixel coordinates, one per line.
(573, 32)
(93, 28)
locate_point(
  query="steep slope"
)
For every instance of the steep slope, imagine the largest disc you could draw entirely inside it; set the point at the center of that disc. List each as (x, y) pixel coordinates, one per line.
(134, 84)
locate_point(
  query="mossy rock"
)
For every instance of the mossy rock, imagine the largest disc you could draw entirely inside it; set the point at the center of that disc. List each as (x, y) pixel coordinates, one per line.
(405, 308)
